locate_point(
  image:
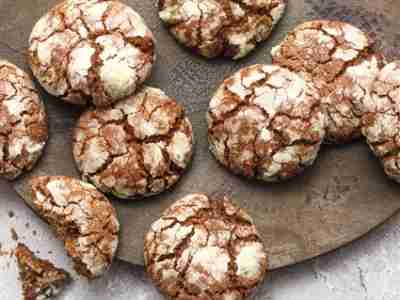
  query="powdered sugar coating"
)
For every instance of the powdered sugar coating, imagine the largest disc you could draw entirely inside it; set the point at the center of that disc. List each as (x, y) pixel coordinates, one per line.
(266, 122)
(340, 60)
(23, 122)
(204, 248)
(139, 147)
(82, 217)
(224, 27)
(381, 122)
(91, 51)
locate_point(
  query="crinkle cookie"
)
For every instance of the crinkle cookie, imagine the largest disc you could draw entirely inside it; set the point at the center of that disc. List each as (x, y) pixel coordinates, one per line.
(205, 248)
(23, 122)
(231, 28)
(40, 278)
(266, 122)
(82, 217)
(91, 51)
(340, 59)
(139, 147)
(381, 122)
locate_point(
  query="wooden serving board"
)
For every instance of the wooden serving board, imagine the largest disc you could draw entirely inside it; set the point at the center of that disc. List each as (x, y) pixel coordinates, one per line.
(342, 197)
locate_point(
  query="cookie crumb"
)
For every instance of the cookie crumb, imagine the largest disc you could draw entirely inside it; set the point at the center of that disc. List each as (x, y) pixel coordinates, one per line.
(14, 234)
(40, 278)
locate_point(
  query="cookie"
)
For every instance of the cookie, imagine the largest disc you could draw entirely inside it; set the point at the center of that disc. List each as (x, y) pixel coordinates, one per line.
(80, 216)
(381, 122)
(40, 278)
(266, 122)
(205, 248)
(139, 147)
(340, 59)
(91, 51)
(231, 28)
(23, 122)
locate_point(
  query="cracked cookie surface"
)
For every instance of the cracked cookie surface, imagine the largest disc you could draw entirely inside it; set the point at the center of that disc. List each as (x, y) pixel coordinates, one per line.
(40, 278)
(381, 122)
(23, 122)
(139, 147)
(91, 51)
(212, 28)
(266, 122)
(82, 217)
(341, 61)
(205, 248)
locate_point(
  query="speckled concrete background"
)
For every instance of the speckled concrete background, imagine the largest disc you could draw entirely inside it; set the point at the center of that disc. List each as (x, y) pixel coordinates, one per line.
(369, 269)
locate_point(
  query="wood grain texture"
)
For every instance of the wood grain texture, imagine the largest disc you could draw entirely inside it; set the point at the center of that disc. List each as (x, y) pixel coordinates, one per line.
(341, 198)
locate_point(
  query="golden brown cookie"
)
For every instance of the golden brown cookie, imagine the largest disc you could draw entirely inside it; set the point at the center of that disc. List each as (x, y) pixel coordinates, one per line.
(23, 122)
(91, 51)
(81, 217)
(137, 148)
(340, 59)
(205, 248)
(266, 122)
(381, 122)
(211, 28)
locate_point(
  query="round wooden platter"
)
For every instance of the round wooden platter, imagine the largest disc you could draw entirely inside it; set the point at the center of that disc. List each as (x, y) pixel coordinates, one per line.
(342, 197)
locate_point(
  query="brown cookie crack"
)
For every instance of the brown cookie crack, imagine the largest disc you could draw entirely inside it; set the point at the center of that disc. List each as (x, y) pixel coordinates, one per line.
(23, 122)
(381, 122)
(40, 278)
(82, 217)
(205, 248)
(341, 60)
(212, 28)
(91, 51)
(139, 147)
(266, 122)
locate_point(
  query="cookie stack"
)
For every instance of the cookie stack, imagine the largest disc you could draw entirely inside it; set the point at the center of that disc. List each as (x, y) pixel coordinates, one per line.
(268, 122)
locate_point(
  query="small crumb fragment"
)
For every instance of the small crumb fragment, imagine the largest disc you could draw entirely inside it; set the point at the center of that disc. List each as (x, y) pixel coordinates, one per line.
(14, 234)
(40, 278)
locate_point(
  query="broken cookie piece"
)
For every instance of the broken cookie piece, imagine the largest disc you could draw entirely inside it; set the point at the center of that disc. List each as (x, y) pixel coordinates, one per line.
(205, 248)
(343, 65)
(82, 217)
(91, 51)
(23, 122)
(266, 122)
(40, 279)
(137, 148)
(381, 122)
(211, 28)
